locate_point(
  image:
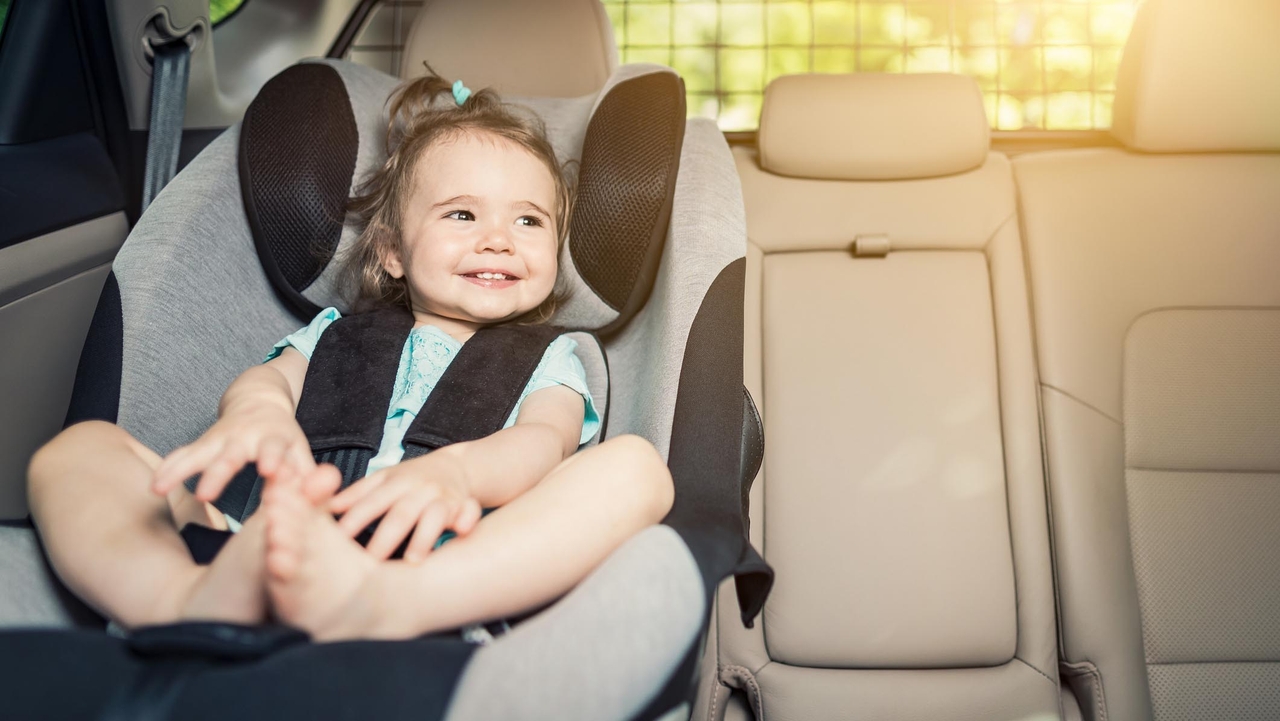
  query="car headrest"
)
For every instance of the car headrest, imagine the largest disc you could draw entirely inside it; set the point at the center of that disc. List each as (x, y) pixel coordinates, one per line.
(1200, 76)
(872, 126)
(316, 130)
(551, 48)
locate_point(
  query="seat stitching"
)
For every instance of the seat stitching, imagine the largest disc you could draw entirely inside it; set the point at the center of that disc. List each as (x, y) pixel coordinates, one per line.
(1086, 668)
(1210, 663)
(715, 695)
(1241, 471)
(1086, 404)
(1033, 668)
(743, 675)
(1013, 215)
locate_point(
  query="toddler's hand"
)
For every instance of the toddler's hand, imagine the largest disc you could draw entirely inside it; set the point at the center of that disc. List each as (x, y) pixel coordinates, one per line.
(413, 494)
(265, 434)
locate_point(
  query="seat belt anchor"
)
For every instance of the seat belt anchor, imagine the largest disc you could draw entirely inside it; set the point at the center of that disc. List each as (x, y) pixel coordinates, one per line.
(159, 30)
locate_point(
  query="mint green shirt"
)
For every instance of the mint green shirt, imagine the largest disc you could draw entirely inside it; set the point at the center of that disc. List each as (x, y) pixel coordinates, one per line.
(427, 353)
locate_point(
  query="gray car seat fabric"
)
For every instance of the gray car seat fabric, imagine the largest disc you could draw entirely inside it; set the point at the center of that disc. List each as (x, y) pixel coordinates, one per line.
(198, 308)
(30, 596)
(501, 683)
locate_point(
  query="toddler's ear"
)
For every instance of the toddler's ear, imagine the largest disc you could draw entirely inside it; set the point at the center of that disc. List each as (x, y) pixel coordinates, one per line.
(391, 263)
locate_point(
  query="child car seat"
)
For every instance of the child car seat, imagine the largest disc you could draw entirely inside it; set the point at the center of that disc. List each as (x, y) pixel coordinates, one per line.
(244, 245)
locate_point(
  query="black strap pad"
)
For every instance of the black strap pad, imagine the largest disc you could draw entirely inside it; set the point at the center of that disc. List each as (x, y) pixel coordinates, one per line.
(350, 379)
(480, 388)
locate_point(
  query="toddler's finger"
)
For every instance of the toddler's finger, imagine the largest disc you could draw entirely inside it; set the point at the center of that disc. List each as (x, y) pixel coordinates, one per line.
(467, 518)
(293, 466)
(431, 524)
(349, 496)
(271, 456)
(371, 507)
(394, 527)
(218, 474)
(299, 454)
(184, 463)
(381, 498)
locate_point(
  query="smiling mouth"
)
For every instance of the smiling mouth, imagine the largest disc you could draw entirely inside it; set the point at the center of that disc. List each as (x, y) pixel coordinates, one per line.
(491, 279)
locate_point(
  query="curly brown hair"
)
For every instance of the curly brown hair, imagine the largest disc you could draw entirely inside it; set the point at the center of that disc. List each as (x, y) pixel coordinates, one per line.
(416, 123)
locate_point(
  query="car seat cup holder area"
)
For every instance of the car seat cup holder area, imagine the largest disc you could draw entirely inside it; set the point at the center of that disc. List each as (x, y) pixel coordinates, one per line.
(254, 226)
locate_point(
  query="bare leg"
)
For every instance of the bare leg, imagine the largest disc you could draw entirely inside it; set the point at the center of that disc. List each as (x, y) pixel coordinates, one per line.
(115, 544)
(521, 556)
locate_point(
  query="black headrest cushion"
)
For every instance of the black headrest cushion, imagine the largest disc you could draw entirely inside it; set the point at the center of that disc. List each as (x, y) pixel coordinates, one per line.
(297, 158)
(626, 185)
(298, 146)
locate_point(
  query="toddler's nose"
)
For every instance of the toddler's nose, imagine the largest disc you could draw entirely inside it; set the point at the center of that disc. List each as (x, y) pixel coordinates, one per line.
(496, 240)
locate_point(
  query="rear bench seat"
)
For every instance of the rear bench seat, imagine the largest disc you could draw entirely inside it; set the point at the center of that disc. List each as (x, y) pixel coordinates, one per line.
(1155, 276)
(889, 349)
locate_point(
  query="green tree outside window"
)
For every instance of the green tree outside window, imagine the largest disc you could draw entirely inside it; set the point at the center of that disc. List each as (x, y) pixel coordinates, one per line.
(219, 9)
(4, 13)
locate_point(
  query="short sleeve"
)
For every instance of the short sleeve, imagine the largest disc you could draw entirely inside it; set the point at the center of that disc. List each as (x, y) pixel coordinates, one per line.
(560, 366)
(305, 339)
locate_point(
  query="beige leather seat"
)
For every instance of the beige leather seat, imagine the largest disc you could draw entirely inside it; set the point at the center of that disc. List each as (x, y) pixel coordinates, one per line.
(550, 48)
(1155, 276)
(889, 349)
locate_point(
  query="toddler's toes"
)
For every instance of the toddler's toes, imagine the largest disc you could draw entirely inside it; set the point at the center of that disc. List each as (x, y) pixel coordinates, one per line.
(282, 555)
(284, 533)
(319, 485)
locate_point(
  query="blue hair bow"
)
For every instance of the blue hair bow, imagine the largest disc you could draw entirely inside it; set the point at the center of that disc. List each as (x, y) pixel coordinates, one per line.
(460, 92)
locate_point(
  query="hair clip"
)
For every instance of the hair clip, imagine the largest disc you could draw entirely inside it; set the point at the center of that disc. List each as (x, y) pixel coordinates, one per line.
(460, 92)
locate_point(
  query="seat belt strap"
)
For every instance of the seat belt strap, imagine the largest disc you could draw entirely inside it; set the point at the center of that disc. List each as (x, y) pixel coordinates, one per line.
(170, 71)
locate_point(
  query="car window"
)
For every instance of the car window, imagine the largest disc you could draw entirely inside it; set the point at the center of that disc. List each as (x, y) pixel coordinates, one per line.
(220, 10)
(4, 13)
(1041, 64)
(1044, 65)
(383, 35)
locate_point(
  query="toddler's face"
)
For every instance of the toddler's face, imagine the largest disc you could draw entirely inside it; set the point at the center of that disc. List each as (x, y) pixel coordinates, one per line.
(479, 242)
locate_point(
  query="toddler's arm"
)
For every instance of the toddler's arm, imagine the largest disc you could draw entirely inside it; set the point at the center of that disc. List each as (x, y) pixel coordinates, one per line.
(446, 488)
(255, 423)
(500, 467)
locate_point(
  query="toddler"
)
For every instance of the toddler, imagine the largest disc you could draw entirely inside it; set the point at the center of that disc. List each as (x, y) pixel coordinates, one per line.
(462, 227)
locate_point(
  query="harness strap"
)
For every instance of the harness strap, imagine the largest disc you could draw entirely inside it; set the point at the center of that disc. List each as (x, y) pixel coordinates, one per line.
(344, 400)
(480, 388)
(351, 378)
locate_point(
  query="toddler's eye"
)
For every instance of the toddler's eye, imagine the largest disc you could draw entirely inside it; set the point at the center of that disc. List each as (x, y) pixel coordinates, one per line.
(461, 215)
(529, 220)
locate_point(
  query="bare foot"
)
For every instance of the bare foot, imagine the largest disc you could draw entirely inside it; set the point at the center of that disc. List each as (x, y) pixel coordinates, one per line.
(318, 579)
(232, 587)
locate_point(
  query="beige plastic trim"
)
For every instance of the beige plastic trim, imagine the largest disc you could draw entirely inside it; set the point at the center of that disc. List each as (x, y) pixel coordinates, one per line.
(232, 62)
(37, 263)
(49, 287)
(46, 331)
